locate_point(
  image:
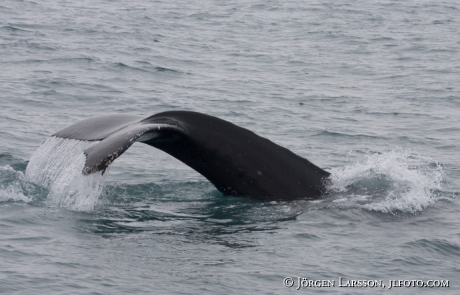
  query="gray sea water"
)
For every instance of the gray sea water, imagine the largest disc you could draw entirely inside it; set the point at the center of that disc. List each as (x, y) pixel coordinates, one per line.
(368, 90)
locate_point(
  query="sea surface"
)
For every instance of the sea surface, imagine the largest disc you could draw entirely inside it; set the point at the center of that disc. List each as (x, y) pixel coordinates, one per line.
(367, 90)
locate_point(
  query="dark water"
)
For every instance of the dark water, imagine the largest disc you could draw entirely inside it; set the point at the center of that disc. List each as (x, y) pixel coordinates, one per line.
(368, 90)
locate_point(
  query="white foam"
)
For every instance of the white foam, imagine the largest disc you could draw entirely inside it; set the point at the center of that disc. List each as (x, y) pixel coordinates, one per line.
(393, 181)
(57, 165)
(11, 186)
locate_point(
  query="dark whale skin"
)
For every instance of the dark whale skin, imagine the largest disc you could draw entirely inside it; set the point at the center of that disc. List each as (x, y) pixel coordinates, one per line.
(234, 159)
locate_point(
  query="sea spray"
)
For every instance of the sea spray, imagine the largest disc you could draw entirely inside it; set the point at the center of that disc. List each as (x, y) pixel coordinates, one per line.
(389, 182)
(57, 165)
(13, 186)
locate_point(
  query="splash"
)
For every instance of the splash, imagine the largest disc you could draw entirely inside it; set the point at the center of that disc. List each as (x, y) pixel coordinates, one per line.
(57, 165)
(390, 182)
(13, 186)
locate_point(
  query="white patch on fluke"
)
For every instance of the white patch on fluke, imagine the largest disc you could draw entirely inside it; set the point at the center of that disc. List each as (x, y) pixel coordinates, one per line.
(389, 182)
(57, 165)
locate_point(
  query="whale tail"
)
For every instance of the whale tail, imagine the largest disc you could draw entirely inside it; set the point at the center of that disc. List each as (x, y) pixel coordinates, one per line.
(234, 159)
(116, 134)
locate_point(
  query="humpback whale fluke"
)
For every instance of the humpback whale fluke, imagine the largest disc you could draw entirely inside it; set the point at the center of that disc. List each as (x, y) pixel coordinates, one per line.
(235, 160)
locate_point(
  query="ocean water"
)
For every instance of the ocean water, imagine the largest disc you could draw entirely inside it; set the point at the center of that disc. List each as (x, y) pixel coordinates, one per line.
(368, 90)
